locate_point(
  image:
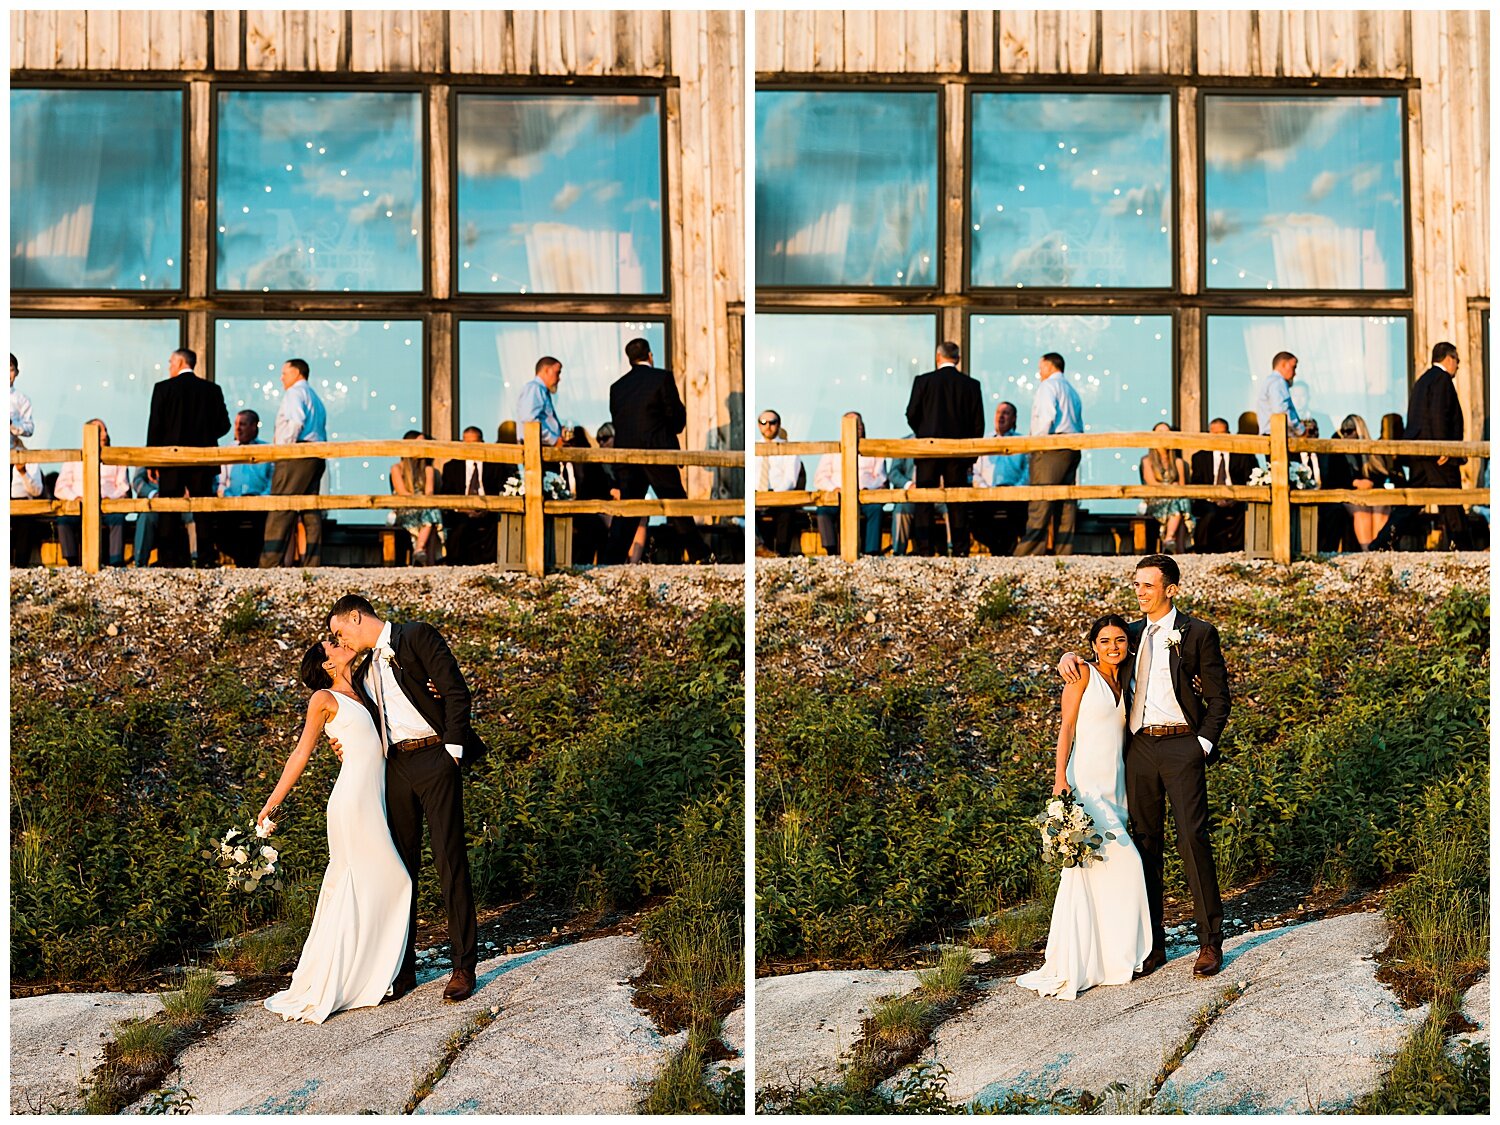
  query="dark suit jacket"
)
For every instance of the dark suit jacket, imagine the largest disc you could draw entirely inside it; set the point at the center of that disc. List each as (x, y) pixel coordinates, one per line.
(187, 410)
(946, 403)
(422, 655)
(1201, 471)
(646, 409)
(451, 482)
(1433, 412)
(1198, 655)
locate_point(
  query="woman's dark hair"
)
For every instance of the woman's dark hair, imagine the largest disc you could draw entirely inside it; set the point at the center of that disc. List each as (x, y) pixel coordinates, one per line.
(1104, 623)
(314, 675)
(580, 438)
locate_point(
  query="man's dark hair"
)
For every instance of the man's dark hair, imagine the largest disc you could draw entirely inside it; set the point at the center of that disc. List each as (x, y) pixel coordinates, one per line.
(348, 604)
(474, 430)
(299, 366)
(13, 362)
(1279, 358)
(1170, 572)
(1443, 351)
(545, 362)
(1056, 361)
(948, 350)
(638, 350)
(1225, 421)
(1104, 623)
(254, 417)
(314, 675)
(189, 356)
(1007, 402)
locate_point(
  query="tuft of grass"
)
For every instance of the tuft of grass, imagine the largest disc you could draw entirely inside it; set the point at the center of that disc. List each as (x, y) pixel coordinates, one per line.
(900, 1021)
(997, 605)
(246, 614)
(191, 1003)
(267, 950)
(945, 980)
(685, 1086)
(1018, 930)
(142, 1044)
(1427, 1078)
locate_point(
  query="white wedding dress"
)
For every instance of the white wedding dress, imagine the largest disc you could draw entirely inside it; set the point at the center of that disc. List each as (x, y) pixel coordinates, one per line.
(358, 935)
(1101, 922)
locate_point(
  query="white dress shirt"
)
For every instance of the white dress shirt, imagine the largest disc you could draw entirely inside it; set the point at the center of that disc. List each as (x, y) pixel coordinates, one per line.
(471, 468)
(21, 424)
(1161, 706)
(830, 473)
(114, 482)
(402, 720)
(27, 485)
(779, 474)
(1220, 458)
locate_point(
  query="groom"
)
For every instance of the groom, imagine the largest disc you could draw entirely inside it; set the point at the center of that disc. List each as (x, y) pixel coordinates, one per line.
(420, 703)
(1179, 705)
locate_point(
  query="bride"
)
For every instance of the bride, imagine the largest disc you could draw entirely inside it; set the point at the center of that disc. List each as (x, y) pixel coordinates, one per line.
(1101, 923)
(358, 934)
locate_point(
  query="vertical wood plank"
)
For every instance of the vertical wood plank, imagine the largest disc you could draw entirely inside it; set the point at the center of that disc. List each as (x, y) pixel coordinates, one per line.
(951, 265)
(890, 41)
(623, 48)
(1395, 42)
(651, 35)
(430, 29)
(1190, 398)
(463, 29)
(1281, 493)
(296, 46)
(262, 40)
(532, 517)
(981, 42)
(1048, 53)
(18, 34)
(1181, 31)
(549, 43)
(1366, 44)
(849, 487)
(1018, 41)
(1211, 33)
(325, 40)
(1122, 33)
(497, 43)
(950, 28)
(692, 225)
(366, 48)
(1188, 160)
(104, 38)
(523, 42)
(72, 40)
(828, 41)
(135, 47)
(1078, 45)
(797, 47)
(440, 190)
(592, 38)
(198, 238)
(1269, 62)
(93, 442)
(921, 42)
(769, 40)
(1338, 48)
(41, 40)
(442, 419)
(859, 40)
(399, 30)
(193, 35)
(227, 40)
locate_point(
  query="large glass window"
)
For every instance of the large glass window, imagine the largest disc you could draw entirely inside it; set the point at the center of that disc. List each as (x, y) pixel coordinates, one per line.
(846, 188)
(319, 191)
(559, 194)
(96, 189)
(813, 368)
(1304, 192)
(496, 358)
(1071, 190)
(367, 372)
(1345, 365)
(1120, 365)
(77, 368)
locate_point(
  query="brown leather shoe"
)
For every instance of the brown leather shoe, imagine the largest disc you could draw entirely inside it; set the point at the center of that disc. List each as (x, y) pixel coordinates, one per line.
(1154, 960)
(1210, 961)
(399, 988)
(460, 985)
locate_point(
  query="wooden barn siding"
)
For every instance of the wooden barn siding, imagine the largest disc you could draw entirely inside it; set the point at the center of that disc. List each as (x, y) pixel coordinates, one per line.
(704, 51)
(1446, 52)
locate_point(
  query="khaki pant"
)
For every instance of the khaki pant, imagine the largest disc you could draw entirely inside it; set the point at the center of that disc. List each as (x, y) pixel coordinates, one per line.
(294, 478)
(1051, 466)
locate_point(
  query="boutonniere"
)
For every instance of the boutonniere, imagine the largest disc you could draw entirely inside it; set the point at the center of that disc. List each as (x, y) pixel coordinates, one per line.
(1174, 638)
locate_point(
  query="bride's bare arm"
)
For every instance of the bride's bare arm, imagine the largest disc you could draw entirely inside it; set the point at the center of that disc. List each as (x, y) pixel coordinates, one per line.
(320, 708)
(1070, 698)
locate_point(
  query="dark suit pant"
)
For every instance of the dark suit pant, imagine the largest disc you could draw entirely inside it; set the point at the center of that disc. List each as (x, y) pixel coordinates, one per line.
(942, 473)
(428, 783)
(171, 532)
(666, 482)
(1158, 770)
(294, 478)
(1051, 466)
(1427, 473)
(775, 528)
(1220, 530)
(241, 535)
(998, 525)
(471, 537)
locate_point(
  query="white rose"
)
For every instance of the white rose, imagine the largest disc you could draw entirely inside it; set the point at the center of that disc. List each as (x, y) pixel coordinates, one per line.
(268, 852)
(1174, 637)
(240, 856)
(1054, 808)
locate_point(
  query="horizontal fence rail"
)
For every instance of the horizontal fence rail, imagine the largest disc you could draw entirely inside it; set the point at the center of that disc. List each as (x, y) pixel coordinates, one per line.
(530, 454)
(1277, 448)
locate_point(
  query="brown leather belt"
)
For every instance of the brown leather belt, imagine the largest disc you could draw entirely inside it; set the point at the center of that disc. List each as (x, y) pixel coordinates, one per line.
(1166, 730)
(416, 743)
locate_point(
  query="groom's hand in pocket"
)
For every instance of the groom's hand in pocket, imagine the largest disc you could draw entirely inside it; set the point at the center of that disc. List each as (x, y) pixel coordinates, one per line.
(337, 747)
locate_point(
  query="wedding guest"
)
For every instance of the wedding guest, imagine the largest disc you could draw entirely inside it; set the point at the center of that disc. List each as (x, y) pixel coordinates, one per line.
(1275, 395)
(186, 409)
(242, 533)
(1402, 516)
(300, 418)
(534, 402)
(587, 481)
(114, 484)
(1167, 467)
(945, 403)
(25, 484)
(1364, 471)
(777, 474)
(1433, 413)
(901, 472)
(21, 424)
(606, 436)
(1220, 523)
(1327, 470)
(1056, 409)
(829, 478)
(998, 523)
(143, 487)
(415, 476)
(471, 534)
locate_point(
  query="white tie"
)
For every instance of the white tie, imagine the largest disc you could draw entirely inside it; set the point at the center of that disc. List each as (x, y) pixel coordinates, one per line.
(1142, 681)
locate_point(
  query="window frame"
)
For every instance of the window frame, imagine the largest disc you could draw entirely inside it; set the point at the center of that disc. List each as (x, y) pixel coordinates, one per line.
(656, 93)
(185, 187)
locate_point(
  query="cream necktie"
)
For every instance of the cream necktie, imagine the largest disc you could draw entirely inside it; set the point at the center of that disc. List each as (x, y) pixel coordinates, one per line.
(379, 693)
(1142, 680)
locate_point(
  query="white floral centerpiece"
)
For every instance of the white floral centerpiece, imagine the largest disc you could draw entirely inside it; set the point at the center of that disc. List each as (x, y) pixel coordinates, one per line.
(245, 861)
(554, 487)
(1068, 836)
(1298, 476)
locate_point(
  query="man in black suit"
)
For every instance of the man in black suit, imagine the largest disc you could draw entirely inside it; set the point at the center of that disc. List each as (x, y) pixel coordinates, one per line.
(471, 534)
(1434, 414)
(1328, 470)
(185, 410)
(1178, 705)
(1220, 523)
(421, 705)
(648, 413)
(944, 403)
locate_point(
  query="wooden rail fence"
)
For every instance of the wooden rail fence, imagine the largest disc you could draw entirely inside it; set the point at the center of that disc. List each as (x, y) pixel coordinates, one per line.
(530, 453)
(1278, 448)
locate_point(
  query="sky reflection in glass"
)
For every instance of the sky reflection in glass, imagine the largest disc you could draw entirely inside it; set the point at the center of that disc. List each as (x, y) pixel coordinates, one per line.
(846, 188)
(96, 189)
(1304, 192)
(90, 367)
(559, 194)
(812, 368)
(1071, 190)
(367, 372)
(1120, 365)
(1345, 365)
(496, 358)
(319, 192)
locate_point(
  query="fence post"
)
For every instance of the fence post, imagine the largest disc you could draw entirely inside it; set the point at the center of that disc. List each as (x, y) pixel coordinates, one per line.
(532, 520)
(849, 488)
(92, 518)
(1281, 493)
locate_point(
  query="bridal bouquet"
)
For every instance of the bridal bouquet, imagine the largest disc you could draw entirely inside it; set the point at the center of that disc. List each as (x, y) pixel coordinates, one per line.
(246, 862)
(1068, 836)
(553, 487)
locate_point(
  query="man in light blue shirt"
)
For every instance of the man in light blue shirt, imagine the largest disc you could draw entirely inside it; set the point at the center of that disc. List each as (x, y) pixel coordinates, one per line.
(1275, 395)
(999, 524)
(534, 403)
(241, 533)
(1056, 409)
(300, 418)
